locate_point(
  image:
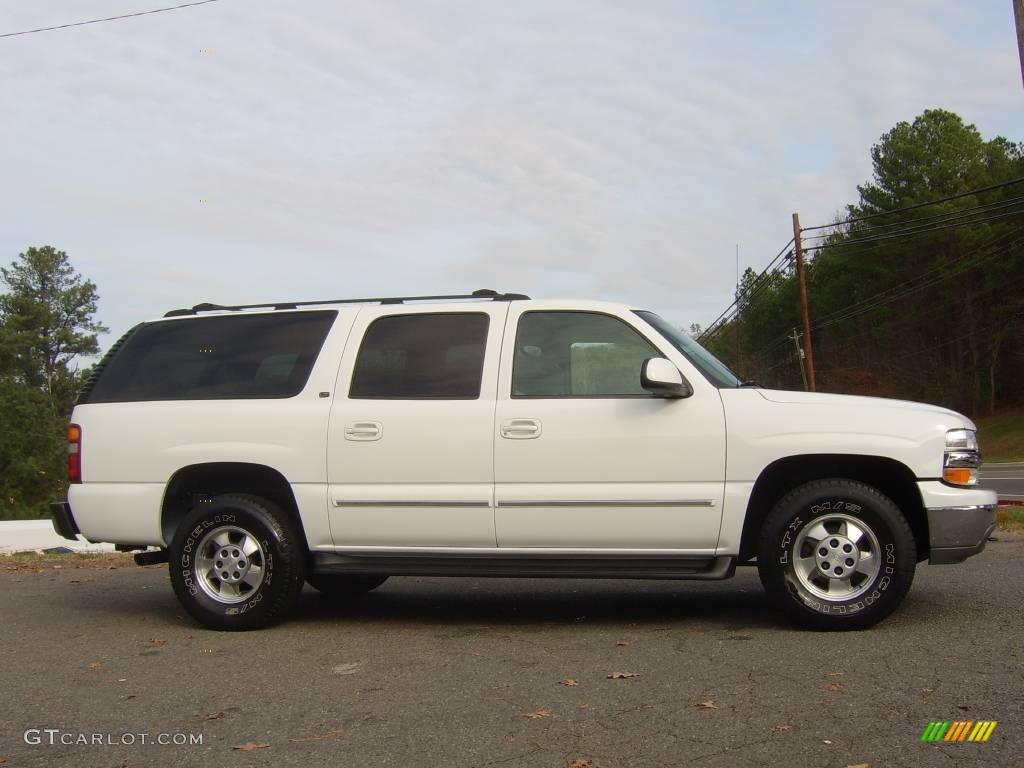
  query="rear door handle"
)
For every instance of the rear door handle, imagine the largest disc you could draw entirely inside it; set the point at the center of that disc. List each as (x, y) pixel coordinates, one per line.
(364, 430)
(521, 429)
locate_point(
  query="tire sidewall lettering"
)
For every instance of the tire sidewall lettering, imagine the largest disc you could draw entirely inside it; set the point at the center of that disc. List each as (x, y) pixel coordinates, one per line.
(883, 580)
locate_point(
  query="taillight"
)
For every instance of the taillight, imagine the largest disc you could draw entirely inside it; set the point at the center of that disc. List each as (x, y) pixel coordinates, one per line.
(74, 453)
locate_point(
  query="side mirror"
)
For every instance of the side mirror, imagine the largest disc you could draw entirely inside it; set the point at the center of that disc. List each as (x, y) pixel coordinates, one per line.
(659, 377)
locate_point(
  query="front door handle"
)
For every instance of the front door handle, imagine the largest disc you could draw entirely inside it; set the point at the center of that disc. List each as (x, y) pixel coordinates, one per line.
(364, 430)
(521, 429)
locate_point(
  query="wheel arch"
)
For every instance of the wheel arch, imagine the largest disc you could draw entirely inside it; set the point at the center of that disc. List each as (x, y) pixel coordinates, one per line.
(189, 485)
(887, 475)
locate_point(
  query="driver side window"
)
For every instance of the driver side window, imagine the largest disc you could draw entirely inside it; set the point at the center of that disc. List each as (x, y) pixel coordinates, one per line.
(578, 354)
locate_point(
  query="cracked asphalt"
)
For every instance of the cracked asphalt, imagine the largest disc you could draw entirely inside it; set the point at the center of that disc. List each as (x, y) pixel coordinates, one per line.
(511, 672)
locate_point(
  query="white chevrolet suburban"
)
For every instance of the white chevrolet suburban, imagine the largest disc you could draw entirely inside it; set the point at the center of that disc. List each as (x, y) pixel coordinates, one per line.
(338, 443)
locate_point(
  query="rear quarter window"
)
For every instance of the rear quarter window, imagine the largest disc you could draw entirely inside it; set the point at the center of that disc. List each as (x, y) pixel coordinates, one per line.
(215, 358)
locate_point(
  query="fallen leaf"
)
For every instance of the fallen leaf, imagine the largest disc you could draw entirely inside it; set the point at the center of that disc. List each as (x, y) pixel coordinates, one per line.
(569, 682)
(155, 643)
(580, 764)
(540, 713)
(621, 675)
(3, 759)
(859, 765)
(835, 686)
(95, 665)
(709, 704)
(346, 669)
(321, 737)
(623, 643)
(781, 728)
(584, 706)
(213, 716)
(964, 707)
(249, 746)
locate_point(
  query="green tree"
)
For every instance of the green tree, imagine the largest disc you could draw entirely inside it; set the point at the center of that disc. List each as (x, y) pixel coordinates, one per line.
(47, 321)
(943, 337)
(901, 302)
(31, 451)
(46, 325)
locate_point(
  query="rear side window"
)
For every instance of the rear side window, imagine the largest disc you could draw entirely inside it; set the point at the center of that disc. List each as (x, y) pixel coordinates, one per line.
(422, 356)
(215, 358)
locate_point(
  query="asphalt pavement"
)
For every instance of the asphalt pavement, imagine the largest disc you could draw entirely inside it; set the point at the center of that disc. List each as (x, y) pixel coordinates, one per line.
(509, 672)
(1005, 479)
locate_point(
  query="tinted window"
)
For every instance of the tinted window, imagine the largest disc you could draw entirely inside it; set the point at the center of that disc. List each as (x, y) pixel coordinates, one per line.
(578, 354)
(713, 369)
(409, 357)
(212, 358)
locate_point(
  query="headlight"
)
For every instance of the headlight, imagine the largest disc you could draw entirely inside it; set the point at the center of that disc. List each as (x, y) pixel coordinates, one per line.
(962, 440)
(962, 459)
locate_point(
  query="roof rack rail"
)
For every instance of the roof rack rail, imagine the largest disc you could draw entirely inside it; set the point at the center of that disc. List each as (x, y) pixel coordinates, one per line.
(482, 293)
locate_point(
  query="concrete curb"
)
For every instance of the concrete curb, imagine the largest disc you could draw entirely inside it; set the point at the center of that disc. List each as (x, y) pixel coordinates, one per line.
(37, 535)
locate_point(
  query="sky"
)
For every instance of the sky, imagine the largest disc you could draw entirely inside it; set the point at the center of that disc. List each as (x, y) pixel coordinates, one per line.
(255, 150)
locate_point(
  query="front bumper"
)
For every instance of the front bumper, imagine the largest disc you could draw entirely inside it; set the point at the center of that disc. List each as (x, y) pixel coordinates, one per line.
(960, 520)
(956, 533)
(63, 521)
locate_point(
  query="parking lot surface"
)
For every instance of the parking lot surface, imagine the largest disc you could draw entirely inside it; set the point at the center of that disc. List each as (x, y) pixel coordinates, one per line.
(509, 672)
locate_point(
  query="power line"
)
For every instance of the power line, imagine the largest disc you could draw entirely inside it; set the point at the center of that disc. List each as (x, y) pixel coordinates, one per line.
(913, 231)
(711, 329)
(109, 18)
(997, 247)
(855, 219)
(906, 289)
(939, 217)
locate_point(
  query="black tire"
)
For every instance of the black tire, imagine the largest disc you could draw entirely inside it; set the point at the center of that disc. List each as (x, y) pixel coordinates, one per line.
(344, 584)
(793, 555)
(209, 563)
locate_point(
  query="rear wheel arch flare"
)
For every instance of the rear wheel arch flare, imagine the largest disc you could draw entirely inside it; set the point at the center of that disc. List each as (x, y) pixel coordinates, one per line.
(216, 478)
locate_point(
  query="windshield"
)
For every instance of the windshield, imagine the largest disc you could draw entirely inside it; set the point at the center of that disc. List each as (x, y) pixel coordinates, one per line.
(714, 369)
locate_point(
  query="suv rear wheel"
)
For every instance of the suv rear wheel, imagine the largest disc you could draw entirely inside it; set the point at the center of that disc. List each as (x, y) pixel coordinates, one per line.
(237, 562)
(837, 554)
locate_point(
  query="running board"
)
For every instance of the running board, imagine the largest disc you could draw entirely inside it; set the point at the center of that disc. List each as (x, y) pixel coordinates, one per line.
(696, 568)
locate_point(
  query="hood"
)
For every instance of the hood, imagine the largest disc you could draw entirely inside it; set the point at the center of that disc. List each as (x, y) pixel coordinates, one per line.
(858, 401)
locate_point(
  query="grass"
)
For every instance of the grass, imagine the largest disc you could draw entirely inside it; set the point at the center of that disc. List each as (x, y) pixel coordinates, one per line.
(1010, 519)
(1002, 436)
(35, 562)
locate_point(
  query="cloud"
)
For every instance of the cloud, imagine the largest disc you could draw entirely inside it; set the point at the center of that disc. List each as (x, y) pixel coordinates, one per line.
(569, 148)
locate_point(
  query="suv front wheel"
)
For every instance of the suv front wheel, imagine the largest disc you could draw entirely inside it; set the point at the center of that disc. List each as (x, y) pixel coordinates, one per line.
(837, 554)
(237, 562)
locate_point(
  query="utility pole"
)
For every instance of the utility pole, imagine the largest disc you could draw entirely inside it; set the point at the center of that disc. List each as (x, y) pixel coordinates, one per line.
(799, 356)
(799, 251)
(1018, 15)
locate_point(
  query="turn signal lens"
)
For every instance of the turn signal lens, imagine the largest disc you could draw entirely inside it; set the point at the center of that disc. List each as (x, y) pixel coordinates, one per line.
(959, 476)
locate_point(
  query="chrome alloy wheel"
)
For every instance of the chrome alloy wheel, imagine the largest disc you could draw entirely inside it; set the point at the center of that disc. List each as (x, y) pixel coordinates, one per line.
(836, 557)
(229, 564)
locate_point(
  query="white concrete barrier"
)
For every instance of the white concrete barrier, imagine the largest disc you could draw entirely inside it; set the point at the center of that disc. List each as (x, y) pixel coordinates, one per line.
(29, 535)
